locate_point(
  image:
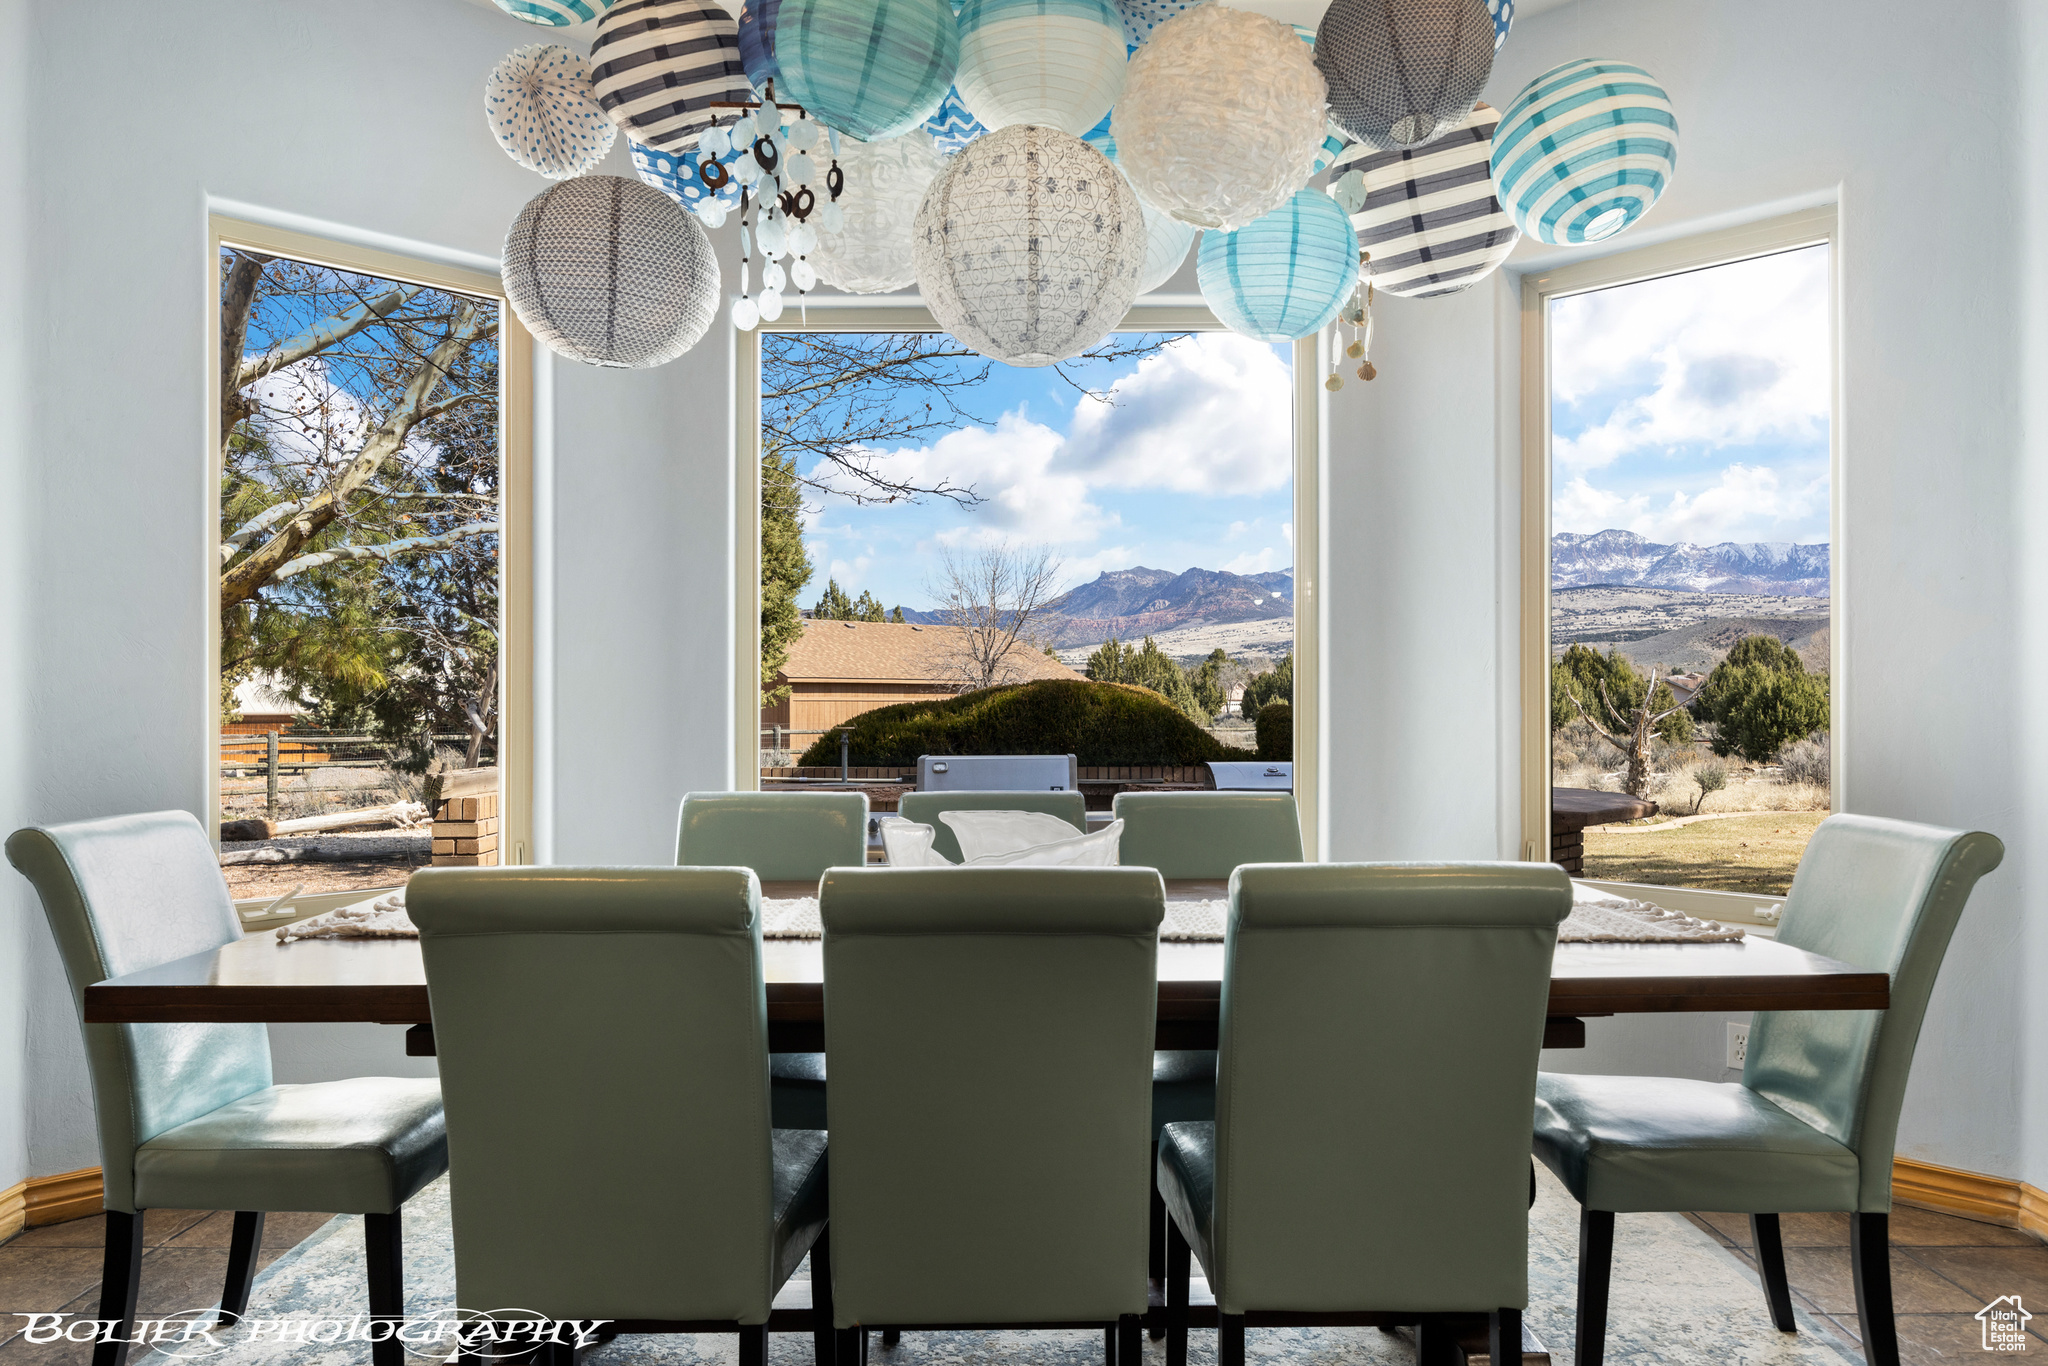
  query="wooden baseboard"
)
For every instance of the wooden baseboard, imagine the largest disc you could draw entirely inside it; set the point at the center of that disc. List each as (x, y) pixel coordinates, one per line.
(1992, 1199)
(67, 1195)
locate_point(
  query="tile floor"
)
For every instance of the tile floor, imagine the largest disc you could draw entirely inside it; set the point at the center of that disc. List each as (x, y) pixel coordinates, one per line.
(1944, 1269)
(56, 1268)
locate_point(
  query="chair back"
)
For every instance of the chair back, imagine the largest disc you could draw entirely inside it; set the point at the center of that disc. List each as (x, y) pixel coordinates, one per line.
(603, 1044)
(1380, 1031)
(782, 836)
(1206, 834)
(924, 808)
(124, 894)
(990, 1032)
(1880, 895)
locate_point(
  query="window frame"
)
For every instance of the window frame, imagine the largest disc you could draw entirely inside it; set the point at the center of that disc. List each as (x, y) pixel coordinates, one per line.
(1768, 237)
(829, 314)
(515, 536)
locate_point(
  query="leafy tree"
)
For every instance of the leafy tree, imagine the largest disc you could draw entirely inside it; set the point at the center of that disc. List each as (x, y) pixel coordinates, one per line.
(866, 608)
(1274, 685)
(1207, 680)
(1576, 680)
(1276, 732)
(834, 605)
(785, 569)
(1761, 698)
(896, 617)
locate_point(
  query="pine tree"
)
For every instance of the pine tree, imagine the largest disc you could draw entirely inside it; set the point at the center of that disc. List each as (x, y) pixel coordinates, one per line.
(1760, 698)
(834, 605)
(896, 617)
(1275, 685)
(867, 608)
(785, 569)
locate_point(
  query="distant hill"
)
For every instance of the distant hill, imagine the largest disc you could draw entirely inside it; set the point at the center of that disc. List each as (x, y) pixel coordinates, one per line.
(1683, 630)
(1129, 604)
(1622, 557)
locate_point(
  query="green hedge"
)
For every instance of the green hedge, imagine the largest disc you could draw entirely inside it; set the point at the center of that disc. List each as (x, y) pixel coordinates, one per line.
(1276, 732)
(1098, 723)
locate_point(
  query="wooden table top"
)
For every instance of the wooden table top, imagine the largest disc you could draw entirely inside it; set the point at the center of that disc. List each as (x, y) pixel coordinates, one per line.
(382, 981)
(1575, 808)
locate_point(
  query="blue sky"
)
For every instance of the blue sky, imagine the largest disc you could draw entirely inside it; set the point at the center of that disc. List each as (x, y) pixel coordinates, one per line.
(1695, 407)
(1192, 468)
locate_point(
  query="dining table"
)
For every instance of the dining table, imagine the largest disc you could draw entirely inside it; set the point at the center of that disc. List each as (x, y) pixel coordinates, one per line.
(382, 981)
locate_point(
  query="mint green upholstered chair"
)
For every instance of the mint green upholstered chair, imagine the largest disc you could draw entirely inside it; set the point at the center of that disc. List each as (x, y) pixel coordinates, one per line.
(783, 837)
(603, 1035)
(1368, 1162)
(1811, 1124)
(924, 808)
(1197, 835)
(188, 1117)
(991, 1040)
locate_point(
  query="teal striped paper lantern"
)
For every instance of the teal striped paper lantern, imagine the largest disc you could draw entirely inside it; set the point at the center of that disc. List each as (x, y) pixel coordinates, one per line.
(554, 13)
(872, 68)
(1285, 275)
(1584, 151)
(1057, 63)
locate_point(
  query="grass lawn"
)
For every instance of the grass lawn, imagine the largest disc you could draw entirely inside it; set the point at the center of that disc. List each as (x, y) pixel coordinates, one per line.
(1743, 854)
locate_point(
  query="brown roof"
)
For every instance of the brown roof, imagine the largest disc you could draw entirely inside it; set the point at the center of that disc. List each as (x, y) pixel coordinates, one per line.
(849, 651)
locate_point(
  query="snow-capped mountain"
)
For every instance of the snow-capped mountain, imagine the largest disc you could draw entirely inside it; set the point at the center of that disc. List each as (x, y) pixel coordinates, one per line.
(1622, 557)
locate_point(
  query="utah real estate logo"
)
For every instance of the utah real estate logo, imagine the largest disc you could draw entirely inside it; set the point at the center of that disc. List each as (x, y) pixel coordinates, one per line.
(2005, 1324)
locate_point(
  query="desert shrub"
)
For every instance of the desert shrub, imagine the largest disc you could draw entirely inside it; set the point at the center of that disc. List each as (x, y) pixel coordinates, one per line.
(1805, 762)
(1760, 698)
(1276, 732)
(1708, 778)
(1604, 756)
(1671, 758)
(1098, 723)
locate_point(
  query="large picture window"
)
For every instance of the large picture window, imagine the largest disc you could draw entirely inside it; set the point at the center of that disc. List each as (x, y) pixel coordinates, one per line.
(1687, 627)
(365, 481)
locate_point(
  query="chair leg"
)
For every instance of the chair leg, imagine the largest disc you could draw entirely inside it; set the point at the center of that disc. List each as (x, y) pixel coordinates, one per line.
(243, 1246)
(1109, 1345)
(891, 1336)
(1870, 1265)
(383, 1243)
(1596, 1266)
(1532, 1183)
(1436, 1344)
(1155, 1262)
(822, 1336)
(1229, 1339)
(120, 1284)
(1180, 1256)
(1770, 1265)
(753, 1344)
(849, 1346)
(1504, 1337)
(1130, 1332)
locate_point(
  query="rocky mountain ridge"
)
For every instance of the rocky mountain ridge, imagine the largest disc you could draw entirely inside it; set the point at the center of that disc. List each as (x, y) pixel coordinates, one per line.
(1786, 568)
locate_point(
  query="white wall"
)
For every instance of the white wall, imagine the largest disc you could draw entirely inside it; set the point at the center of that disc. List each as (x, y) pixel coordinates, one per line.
(1906, 114)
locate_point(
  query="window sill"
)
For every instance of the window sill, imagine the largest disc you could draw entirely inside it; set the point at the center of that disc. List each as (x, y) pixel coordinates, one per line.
(1730, 908)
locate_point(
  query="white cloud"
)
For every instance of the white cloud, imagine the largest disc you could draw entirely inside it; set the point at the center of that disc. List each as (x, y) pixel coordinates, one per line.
(1209, 414)
(1747, 503)
(1259, 561)
(1733, 355)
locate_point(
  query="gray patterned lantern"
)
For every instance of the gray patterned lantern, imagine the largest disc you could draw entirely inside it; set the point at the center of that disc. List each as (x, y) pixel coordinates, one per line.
(1403, 72)
(611, 272)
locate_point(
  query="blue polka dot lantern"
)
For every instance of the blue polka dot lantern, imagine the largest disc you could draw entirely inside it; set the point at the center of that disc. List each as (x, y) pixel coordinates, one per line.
(1503, 12)
(554, 13)
(1282, 276)
(1584, 151)
(757, 41)
(682, 179)
(1057, 63)
(953, 127)
(543, 112)
(872, 68)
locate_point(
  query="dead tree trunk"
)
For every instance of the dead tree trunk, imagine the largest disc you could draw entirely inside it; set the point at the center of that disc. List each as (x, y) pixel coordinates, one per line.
(1642, 730)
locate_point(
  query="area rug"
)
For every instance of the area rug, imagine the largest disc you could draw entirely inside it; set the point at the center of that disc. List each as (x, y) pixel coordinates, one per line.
(1679, 1299)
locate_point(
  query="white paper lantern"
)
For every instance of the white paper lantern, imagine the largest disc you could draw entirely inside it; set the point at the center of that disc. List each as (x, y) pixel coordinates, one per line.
(1059, 63)
(1029, 246)
(1402, 72)
(1584, 151)
(1167, 239)
(1221, 118)
(543, 113)
(554, 13)
(608, 271)
(869, 253)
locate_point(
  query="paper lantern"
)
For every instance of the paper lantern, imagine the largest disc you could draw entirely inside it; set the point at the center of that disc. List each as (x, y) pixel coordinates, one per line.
(554, 13)
(885, 182)
(1285, 275)
(1401, 72)
(953, 127)
(539, 104)
(872, 68)
(661, 64)
(1167, 239)
(1584, 151)
(1334, 138)
(1029, 245)
(1059, 63)
(679, 178)
(1428, 219)
(1503, 12)
(606, 271)
(1221, 117)
(1142, 16)
(757, 41)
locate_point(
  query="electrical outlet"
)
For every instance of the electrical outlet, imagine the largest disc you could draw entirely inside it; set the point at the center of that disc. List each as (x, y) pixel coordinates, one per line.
(1738, 1044)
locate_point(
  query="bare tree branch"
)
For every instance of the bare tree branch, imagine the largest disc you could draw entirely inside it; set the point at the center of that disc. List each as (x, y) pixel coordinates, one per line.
(323, 335)
(388, 551)
(990, 596)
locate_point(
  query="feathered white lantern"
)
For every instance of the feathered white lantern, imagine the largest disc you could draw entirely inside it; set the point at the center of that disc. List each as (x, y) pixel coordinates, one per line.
(543, 112)
(1221, 118)
(1059, 63)
(869, 252)
(1029, 246)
